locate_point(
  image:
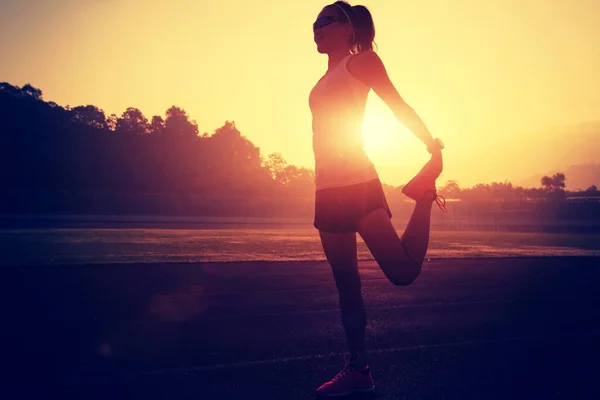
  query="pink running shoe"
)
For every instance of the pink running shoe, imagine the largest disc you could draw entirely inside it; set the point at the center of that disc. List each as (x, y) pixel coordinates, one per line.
(348, 380)
(424, 181)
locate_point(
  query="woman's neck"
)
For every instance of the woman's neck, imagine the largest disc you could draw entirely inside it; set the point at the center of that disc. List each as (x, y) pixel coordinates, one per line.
(336, 58)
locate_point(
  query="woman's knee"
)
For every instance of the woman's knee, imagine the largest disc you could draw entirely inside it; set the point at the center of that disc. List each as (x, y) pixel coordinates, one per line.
(404, 273)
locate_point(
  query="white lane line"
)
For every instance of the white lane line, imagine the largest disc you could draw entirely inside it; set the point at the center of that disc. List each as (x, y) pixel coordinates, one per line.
(313, 357)
(77, 378)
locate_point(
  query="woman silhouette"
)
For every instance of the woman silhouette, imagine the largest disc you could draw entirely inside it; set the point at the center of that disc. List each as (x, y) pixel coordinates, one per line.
(349, 196)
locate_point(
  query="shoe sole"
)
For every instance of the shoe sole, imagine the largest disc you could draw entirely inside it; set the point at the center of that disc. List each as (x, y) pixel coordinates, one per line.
(349, 392)
(407, 189)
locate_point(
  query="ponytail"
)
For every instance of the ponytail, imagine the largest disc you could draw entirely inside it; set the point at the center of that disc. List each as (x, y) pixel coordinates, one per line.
(364, 29)
(362, 23)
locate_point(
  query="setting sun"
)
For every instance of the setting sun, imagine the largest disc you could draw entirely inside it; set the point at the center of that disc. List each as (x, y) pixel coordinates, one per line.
(381, 130)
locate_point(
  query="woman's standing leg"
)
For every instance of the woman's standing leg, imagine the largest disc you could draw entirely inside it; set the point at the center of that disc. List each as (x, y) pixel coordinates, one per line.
(340, 251)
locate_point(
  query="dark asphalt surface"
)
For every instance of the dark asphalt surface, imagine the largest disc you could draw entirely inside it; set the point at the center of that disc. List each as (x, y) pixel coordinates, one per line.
(511, 328)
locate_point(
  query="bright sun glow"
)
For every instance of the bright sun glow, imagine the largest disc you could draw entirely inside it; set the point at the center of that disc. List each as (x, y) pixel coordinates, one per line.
(394, 150)
(384, 135)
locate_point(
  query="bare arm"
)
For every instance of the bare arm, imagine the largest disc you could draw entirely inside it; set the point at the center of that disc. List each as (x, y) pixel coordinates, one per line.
(369, 69)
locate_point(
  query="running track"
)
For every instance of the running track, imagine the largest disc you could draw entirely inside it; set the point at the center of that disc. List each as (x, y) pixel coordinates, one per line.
(512, 328)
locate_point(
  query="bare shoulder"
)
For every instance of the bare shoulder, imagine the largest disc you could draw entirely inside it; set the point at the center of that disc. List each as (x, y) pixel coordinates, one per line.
(366, 67)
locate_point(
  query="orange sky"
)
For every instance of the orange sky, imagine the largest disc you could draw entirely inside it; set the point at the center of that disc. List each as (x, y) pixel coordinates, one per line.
(481, 74)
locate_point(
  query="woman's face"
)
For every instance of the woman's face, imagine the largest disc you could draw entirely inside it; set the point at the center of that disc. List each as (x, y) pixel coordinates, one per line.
(330, 33)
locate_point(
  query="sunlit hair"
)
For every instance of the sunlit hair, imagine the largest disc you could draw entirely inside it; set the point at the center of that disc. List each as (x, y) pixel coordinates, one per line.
(362, 23)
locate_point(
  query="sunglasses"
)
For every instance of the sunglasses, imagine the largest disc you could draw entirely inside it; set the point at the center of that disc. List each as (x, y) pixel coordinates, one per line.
(324, 21)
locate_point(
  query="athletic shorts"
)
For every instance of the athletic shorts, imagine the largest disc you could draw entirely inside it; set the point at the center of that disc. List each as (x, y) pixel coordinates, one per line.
(340, 209)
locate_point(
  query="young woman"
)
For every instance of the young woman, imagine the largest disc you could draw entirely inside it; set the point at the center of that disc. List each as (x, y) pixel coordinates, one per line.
(349, 196)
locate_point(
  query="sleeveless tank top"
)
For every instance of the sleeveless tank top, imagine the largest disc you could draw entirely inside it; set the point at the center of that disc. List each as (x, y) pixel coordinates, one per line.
(337, 103)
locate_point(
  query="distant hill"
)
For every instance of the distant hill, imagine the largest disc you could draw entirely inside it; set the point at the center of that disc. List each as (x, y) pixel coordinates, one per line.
(580, 176)
(564, 146)
(579, 144)
(573, 150)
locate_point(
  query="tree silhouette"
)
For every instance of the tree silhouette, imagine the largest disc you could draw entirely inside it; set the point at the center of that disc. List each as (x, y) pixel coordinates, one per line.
(157, 126)
(111, 122)
(554, 182)
(35, 93)
(90, 115)
(233, 159)
(287, 174)
(178, 124)
(276, 165)
(554, 186)
(25, 91)
(451, 189)
(132, 121)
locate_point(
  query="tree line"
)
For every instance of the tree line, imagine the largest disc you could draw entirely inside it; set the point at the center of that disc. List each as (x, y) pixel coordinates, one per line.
(69, 158)
(46, 146)
(551, 188)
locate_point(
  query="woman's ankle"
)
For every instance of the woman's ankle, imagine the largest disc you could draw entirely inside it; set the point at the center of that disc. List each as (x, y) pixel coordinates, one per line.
(429, 196)
(358, 360)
